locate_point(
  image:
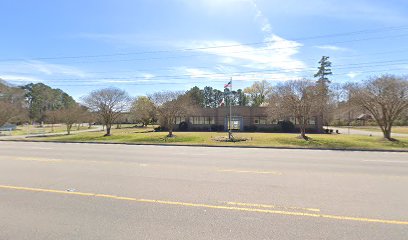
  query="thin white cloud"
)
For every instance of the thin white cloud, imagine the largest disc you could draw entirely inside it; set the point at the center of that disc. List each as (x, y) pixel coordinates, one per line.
(55, 69)
(353, 75)
(278, 54)
(206, 75)
(195, 73)
(136, 77)
(333, 48)
(148, 76)
(40, 68)
(261, 18)
(19, 79)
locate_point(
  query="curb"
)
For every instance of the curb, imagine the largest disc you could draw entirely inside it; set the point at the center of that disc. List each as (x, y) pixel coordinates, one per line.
(212, 146)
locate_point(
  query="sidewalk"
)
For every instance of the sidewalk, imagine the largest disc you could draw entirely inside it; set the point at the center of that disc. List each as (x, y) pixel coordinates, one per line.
(21, 137)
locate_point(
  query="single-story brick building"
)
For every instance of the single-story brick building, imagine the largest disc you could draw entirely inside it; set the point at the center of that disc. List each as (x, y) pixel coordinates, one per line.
(243, 119)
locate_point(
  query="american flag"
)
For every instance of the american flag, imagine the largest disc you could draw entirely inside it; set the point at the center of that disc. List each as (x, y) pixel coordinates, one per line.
(229, 84)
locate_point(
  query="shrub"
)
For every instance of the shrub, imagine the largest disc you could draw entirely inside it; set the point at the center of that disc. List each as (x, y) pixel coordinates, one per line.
(273, 129)
(251, 128)
(160, 129)
(183, 126)
(287, 126)
(200, 129)
(217, 128)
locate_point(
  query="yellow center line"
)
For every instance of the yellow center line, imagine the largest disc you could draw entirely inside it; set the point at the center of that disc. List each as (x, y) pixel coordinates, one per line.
(249, 171)
(271, 206)
(200, 205)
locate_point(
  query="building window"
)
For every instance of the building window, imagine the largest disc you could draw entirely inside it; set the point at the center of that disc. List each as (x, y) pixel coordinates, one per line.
(312, 121)
(202, 120)
(179, 120)
(210, 120)
(234, 124)
(260, 120)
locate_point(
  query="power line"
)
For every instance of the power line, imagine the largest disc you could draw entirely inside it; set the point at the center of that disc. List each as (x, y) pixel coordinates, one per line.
(146, 70)
(208, 75)
(200, 82)
(222, 79)
(246, 51)
(222, 46)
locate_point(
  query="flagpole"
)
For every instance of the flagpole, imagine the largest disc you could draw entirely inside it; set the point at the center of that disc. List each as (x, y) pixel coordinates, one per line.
(230, 112)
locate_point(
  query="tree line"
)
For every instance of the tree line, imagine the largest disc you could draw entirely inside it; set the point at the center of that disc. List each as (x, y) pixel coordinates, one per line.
(384, 98)
(209, 97)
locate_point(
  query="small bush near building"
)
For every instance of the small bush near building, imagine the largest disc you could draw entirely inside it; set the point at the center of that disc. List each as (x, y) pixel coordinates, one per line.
(217, 128)
(274, 129)
(183, 126)
(287, 126)
(251, 128)
(159, 129)
(200, 129)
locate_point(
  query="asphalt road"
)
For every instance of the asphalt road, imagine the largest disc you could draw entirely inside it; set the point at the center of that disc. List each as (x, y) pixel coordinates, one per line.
(87, 191)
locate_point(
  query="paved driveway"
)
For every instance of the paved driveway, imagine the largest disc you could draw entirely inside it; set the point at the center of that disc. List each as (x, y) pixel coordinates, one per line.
(365, 132)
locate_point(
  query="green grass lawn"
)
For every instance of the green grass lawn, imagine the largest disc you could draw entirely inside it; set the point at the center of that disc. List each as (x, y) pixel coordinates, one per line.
(146, 135)
(396, 129)
(30, 129)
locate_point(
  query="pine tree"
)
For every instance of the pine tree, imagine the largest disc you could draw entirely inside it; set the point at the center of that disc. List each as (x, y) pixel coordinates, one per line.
(324, 70)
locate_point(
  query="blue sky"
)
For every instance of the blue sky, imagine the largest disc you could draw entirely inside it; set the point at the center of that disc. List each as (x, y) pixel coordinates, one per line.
(146, 46)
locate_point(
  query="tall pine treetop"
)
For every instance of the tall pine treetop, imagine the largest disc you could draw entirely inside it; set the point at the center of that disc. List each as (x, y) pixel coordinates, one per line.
(324, 70)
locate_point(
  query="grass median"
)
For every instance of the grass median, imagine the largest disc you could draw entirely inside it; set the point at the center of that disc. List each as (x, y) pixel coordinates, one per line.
(147, 136)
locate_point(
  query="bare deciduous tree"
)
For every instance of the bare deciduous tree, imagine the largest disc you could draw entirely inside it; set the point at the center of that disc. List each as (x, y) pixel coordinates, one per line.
(259, 92)
(295, 99)
(52, 117)
(69, 116)
(108, 104)
(89, 117)
(384, 97)
(143, 110)
(8, 111)
(170, 105)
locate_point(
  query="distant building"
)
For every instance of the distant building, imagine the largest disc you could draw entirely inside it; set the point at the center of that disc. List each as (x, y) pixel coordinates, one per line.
(364, 117)
(8, 127)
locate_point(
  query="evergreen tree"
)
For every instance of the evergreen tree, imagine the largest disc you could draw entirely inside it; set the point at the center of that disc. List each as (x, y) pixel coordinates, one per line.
(42, 98)
(324, 70)
(197, 96)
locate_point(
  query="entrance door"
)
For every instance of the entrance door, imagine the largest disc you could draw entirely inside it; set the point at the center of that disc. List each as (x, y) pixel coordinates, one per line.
(236, 123)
